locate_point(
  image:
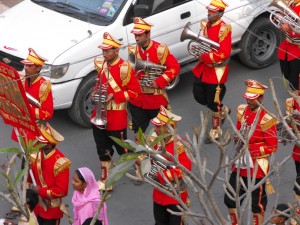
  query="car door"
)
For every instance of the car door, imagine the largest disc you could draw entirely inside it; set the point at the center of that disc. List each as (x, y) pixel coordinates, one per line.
(169, 18)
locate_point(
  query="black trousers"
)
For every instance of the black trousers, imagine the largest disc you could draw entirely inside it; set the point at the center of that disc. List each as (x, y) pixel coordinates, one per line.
(259, 196)
(163, 217)
(43, 221)
(204, 94)
(291, 72)
(141, 117)
(296, 190)
(104, 143)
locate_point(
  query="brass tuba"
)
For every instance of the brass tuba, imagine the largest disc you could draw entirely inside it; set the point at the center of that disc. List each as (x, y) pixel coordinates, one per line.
(100, 96)
(152, 70)
(284, 14)
(198, 44)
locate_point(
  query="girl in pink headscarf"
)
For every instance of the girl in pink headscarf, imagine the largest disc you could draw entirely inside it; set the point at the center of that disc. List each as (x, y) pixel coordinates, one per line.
(86, 197)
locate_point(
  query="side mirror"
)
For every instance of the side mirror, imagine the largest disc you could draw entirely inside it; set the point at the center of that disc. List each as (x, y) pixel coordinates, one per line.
(141, 10)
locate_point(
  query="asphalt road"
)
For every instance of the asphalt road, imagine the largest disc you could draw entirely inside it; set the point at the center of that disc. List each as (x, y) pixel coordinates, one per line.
(132, 205)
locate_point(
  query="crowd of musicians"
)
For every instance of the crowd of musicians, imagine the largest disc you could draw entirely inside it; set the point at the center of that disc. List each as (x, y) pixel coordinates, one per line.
(121, 90)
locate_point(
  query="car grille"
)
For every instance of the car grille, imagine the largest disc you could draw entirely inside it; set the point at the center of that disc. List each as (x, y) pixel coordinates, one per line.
(15, 62)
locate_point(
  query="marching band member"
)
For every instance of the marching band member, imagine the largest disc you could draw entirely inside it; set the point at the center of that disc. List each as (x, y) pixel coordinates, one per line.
(117, 77)
(51, 171)
(39, 88)
(147, 105)
(289, 52)
(212, 69)
(162, 202)
(261, 145)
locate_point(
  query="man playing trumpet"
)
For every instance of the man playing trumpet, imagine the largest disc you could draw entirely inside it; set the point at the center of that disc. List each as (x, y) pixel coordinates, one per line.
(212, 69)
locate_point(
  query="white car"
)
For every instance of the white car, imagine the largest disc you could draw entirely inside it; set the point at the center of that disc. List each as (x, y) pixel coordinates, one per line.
(67, 33)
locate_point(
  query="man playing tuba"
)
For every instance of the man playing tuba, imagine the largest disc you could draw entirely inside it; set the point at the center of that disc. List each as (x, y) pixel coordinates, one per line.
(212, 69)
(116, 85)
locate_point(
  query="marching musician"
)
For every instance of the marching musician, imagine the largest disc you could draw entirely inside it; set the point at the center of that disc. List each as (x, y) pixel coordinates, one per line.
(212, 69)
(293, 108)
(289, 51)
(261, 145)
(162, 201)
(39, 88)
(116, 76)
(51, 171)
(147, 105)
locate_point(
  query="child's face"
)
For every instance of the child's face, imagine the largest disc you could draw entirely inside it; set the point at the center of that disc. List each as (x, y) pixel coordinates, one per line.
(277, 219)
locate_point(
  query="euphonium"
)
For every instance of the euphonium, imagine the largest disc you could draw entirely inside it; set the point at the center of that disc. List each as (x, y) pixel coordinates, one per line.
(100, 95)
(152, 70)
(198, 44)
(285, 14)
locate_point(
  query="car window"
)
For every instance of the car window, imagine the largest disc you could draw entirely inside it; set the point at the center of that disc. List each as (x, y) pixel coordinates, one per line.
(101, 12)
(161, 5)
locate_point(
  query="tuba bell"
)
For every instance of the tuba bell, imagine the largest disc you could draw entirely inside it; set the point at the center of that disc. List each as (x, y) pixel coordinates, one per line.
(198, 44)
(152, 70)
(284, 14)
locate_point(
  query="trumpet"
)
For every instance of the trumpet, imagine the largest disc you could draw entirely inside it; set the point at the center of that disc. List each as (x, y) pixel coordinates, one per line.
(100, 96)
(33, 100)
(285, 15)
(198, 44)
(152, 70)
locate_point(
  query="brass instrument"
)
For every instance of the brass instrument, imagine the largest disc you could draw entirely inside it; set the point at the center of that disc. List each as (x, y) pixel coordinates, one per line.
(161, 163)
(152, 70)
(198, 44)
(287, 15)
(100, 96)
(33, 100)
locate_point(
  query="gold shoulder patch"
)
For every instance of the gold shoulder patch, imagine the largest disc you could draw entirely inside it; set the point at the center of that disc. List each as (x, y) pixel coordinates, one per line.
(99, 62)
(162, 53)
(33, 157)
(45, 88)
(125, 72)
(203, 23)
(240, 111)
(223, 32)
(289, 105)
(61, 164)
(267, 121)
(131, 49)
(180, 147)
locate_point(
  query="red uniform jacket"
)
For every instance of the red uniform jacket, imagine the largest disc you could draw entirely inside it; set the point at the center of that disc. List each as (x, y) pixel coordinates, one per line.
(287, 50)
(124, 86)
(40, 89)
(51, 173)
(292, 105)
(159, 54)
(264, 140)
(158, 196)
(219, 32)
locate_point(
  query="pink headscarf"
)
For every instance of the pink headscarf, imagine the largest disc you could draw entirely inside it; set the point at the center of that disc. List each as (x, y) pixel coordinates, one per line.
(86, 203)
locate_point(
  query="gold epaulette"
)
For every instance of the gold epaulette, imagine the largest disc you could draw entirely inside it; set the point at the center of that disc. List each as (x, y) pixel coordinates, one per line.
(32, 157)
(61, 164)
(162, 53)
(267, 121)
(289, 105)
(180, 148)
(99, 62)
(125, 72)
(45, 88)
(131, 49)
(240, 111)
(223, 32)
(203, 23)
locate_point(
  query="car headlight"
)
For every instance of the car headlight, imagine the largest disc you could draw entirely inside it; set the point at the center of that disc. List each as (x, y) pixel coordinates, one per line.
(54, 71)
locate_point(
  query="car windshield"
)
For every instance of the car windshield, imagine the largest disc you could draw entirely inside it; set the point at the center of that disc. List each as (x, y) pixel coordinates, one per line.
(100, 12)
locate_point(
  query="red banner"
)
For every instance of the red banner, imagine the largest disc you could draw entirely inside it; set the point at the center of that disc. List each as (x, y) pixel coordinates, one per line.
(14, 105)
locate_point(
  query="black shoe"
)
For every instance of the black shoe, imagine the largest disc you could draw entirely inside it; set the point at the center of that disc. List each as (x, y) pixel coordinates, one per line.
(13, 215)
(207, 140)
(137, 182)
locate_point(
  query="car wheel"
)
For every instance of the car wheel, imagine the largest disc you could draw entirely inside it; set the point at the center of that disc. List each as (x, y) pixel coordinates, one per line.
(173, 83)
(82, 107)
(259, 44)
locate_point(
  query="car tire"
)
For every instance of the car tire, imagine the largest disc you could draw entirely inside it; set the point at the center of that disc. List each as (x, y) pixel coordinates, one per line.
(255, 51)
(82, 107)
(173, 83)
